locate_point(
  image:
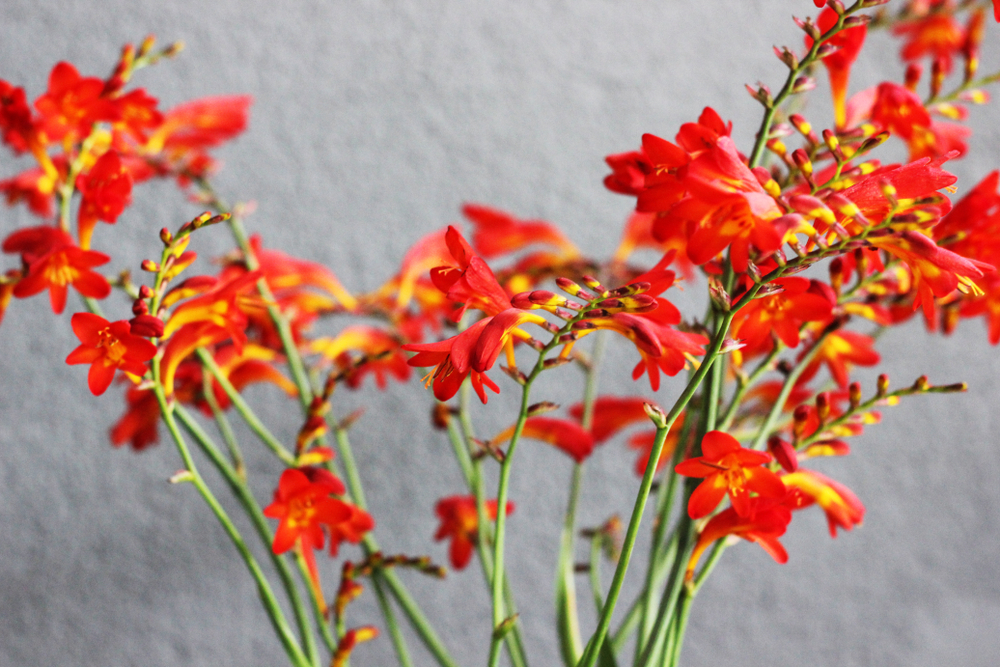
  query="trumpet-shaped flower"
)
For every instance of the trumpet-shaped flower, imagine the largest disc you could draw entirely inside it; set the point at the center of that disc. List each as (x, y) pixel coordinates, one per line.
(499, 233)
(108, 346)
(732, 470)
(563, 434)
(842, 507)
(764, 523)
(838, 64)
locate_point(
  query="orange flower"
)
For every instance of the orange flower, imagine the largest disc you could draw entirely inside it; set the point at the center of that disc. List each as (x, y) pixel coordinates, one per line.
(563, 434)
(838, 64)
(782, 314)
(382, 355)
(471, 283)
(108, 346)
(106, 190)
(351, 530)
(842, 507)
(54, 263)
(499, 233)
(302, 507)
(729, 469)
(460, 523)
(937, 35)
(764, 523)
(839, 351)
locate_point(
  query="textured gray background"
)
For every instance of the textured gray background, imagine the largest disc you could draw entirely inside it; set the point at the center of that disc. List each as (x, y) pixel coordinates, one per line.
(373, 122)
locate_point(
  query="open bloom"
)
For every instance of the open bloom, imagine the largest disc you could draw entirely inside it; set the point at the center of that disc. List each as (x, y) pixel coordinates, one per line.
(729, 469)
(108, 346)
(765, 523)
(302, 506)
(460, 523)
(842, 507)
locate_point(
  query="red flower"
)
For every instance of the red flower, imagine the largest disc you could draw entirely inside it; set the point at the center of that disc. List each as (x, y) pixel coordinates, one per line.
(838, 64)
(106, 190)
(138, 426)
(729, 469)
(563, 434)
(55, 263)
(472, 282)
(108, 346)
(460, 523)
(302, 507)
(764, 524)
(72, 104)
(842, 507)
(499, 233)
(937, 35)
(351, 530)
(839, 350)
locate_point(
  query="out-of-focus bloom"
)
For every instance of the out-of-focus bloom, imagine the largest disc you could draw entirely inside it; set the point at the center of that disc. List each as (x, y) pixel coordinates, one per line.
(563, 434)
(349, 641)
(106, 190)
(839, 351)
(138, 426)
(764, 523)
(54, 263)
(838, 64)
(937, 35)
(460, 524)
(842, 507)
(72, 104)
(383, 355)
(351, 530)
(612, 414)
(108, 346)
(729, 469)
(499, 233)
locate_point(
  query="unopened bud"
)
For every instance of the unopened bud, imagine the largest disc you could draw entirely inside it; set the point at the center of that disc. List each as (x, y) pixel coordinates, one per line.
(594, 284)
(823, 406)
(150, 266)
(145, 292)
(147, 326)
(656, 415)
(808, 27)
(921, 384)
(783, 453)
(441, 416)
(872, 142)
(857, 20)
(506, 625)
(831, 141)
(837, 6)
(570, 287)
(938, 72)
(541, 408)
(139, 307)
(802, 161)
(803, 126)
(181, 476)
(166, 236)
(882, 385)
(146, 46)
(786, 56)
(803, 84)
(173, 49)
(718, 295)
(912, 77)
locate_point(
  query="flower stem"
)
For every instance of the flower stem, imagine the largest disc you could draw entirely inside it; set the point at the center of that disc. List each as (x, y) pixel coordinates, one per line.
(271, 606)
(252, 420)
(241, 490)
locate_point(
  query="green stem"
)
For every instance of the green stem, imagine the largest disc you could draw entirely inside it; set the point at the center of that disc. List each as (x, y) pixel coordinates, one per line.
(242, 492)
(594, 647)
(595, 573)
(744, 386)
(416, 617)
(225, 430)
(395, 633)
(249, 416)
(271, 606)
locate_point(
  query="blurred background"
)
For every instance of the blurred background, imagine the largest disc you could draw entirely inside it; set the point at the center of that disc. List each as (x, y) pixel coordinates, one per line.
(372, 123)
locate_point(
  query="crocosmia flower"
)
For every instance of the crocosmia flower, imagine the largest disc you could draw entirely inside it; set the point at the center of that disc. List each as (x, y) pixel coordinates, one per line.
(108, 346)
(729, 469)
(106, 190)
(766, 522)
(460, 523)
(302, 506)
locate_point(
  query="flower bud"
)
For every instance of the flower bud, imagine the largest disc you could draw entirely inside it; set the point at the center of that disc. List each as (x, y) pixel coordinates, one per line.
(594, 284)
(913, 74)
(921, 384)
(145, 292)
(571, 288)
(783, 453)
(823, 406)
(139, 307)
(873, 141)
(150, 266)
(857, 20)
(166, 236)
(808, 27)
(147, 326)
(441, 416)
(803, 84)
(837, 6)
(541, 408)
(882, 385)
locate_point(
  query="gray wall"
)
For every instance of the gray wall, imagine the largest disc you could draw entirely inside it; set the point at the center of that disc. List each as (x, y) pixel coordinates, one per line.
(372, 123)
